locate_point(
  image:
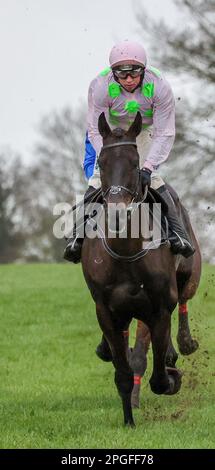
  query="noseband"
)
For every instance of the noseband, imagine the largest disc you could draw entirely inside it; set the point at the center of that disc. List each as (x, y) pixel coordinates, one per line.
(118, 189)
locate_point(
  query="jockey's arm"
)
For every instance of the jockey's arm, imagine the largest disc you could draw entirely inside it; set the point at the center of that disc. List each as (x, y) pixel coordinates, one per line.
(97, 104)
(163, 126)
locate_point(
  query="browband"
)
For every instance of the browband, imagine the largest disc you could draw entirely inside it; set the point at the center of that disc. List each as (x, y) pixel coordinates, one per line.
(117, 144)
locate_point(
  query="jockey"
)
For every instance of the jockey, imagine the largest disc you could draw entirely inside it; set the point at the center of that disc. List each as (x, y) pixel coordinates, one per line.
(120, 91)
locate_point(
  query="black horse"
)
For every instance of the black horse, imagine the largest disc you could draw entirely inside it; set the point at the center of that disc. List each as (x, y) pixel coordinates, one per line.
(123, 284)
(188, 273)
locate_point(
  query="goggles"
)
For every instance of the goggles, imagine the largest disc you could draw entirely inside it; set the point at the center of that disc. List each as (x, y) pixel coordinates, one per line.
(124, 70)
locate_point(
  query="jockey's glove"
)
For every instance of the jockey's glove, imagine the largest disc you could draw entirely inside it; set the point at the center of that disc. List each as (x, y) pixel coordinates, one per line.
(145, 177)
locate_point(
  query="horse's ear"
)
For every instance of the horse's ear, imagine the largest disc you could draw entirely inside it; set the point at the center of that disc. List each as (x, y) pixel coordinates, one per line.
(103, 126)
(136, 126)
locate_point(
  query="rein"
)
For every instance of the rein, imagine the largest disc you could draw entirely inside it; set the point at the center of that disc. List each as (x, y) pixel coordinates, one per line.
(130, 258)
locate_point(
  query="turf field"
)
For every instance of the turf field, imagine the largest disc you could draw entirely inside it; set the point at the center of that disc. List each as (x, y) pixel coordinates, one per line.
(56, 393)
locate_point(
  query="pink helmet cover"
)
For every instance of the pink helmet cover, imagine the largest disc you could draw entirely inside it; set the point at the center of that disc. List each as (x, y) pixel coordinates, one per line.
(127, 50)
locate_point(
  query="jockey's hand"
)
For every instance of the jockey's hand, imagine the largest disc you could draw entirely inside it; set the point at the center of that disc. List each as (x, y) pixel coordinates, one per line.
(146, 177)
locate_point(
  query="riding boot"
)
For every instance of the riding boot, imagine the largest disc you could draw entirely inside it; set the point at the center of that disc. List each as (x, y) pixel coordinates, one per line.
(73, 248)
(179, 239)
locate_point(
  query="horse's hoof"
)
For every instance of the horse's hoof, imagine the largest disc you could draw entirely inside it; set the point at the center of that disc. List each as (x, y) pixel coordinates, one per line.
(187, 346)
(174, 376)
(130, 423)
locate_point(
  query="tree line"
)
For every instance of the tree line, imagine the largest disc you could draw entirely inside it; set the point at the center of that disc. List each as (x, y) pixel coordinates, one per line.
(55, 174)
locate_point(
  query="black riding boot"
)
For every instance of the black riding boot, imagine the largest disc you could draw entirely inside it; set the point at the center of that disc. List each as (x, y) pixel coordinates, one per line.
(73, 248)
(178, 237)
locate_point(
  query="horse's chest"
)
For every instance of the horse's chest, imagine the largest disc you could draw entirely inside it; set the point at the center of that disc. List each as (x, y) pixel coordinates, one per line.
(126, 297)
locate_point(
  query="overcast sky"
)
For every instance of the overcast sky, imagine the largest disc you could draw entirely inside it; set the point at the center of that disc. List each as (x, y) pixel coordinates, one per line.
(50, 51)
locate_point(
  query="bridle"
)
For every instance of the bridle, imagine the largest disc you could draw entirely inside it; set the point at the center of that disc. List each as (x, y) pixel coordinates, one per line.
(117, 189)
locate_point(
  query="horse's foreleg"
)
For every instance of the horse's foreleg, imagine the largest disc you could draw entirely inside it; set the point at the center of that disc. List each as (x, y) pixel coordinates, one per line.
(186, 344)
(138, 360)
(126, 341)
(124, 379)
(163, 380)
(172, 355)
(103, 349)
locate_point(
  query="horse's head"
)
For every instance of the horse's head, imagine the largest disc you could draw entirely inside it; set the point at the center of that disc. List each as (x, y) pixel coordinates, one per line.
(119, 171)
(119, 162)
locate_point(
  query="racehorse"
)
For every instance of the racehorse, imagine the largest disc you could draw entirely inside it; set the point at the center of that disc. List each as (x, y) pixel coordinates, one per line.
(125, 280)
(188, 272)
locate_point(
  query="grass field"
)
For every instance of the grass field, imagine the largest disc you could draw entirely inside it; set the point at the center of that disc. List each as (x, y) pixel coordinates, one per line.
(56, 393)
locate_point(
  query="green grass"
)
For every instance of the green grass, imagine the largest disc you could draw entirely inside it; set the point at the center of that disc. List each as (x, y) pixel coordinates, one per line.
(56, 393)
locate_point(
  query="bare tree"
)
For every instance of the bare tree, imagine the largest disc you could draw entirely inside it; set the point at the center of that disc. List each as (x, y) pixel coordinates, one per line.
(12, 237)
(60, 151)
(188, 51)
(29, 194)
(57, 175)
